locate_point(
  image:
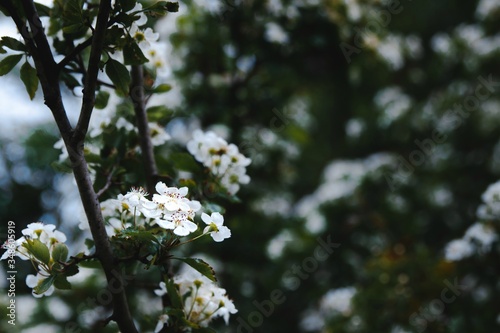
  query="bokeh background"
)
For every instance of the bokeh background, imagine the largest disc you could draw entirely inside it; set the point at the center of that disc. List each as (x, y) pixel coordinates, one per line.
(371, 124)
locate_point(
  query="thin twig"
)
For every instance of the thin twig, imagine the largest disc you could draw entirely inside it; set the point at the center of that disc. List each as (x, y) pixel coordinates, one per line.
(108, 183)
(138, 98)
(75, 52)
(92, 71)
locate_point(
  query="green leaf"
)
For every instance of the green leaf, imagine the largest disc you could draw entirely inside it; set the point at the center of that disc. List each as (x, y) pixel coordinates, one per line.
(162, 88)
(173, 294)
(64, 167)
(89, 243)
(159, 112)
(30, 79)
(38, 250)
(91, 263)
(73, 18)
(185, 161)
(8, 63)
(160, 8)
(13, 44)
(119, 75)
(70, 81)
(73, 28)
(204, 330)
(61, 282)
(72, 12)
(71, 270)
(201, 266)
(101, 100)
(42, 9)
(210, 207)
(172, 7)
(133, 55)
(127, 4)
(44, 285)
(140, 236)
(60, 252)
(177, 313)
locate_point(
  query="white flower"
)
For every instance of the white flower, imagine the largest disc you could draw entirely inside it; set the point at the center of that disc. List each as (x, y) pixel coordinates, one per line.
(491, 199)
(137, 11)
(46, 233)
(158, 134)
(218, 231)
(32, 281)
(144, 38)
(16, 248)
(458, 249)
(162, 320)
(124, 123)
(163, 289)
(484, 235)
(223, 159)
(157, 55)
(274, 33)
(338, 301)
(171, 198)
(178, 222)
(203, 299)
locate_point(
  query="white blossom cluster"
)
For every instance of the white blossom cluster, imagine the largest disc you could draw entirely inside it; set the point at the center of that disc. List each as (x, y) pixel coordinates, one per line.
(202, 299)
(47, 235)
(341, 178)
(393, 103)
(222, 159)
(338, 301)
(487, 8)
(334, 303)
(479, 237)
(490, 209)
(169, 209)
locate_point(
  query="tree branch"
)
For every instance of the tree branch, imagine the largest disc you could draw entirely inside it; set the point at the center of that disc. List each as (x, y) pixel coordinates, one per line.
(148, 157)
(48, 74)
(39, 49)
(90, 83)
(76, 51)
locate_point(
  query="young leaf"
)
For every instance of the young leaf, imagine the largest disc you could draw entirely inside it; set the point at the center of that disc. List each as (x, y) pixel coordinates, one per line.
(201, 266)
(204, 330)
(73, 28)
(8, 63)
(159, 112)
(185, 162)
(61, 282)
(91, 263)
(42, 9)
(38, 250)
(162, 88)
(44, 285)
(13, 44)
(172, 7)
(173, 294)
(101, 100)
(127, 4)
(89, 243)
(29, 78)
(133, 55)
(161, 7)
(60, 252)
(71, 270)
(119, 75)
(64, 167)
